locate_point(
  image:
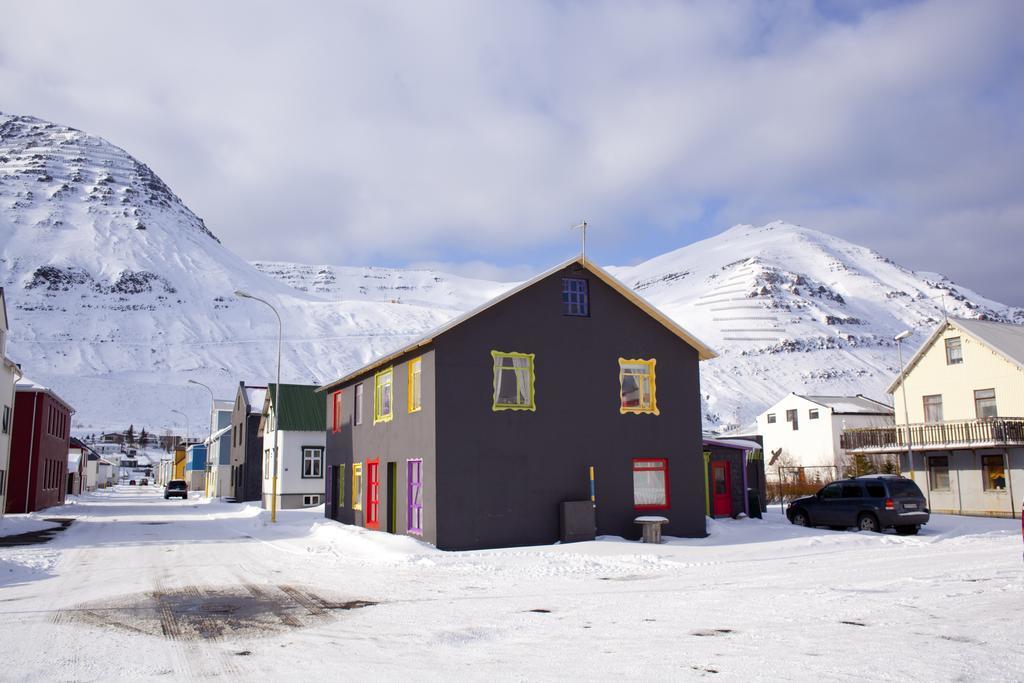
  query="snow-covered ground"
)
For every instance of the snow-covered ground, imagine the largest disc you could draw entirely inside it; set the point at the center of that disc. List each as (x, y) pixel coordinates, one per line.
(127, 589)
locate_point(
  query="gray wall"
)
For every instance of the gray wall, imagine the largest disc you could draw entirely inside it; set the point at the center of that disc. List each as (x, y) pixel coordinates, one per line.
(501, 475)
(247, 455)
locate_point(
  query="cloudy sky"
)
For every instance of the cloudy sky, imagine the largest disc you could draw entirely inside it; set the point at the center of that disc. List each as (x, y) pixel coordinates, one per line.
(474, 134)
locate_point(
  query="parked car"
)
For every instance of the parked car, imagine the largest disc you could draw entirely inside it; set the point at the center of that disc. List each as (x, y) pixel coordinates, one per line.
(145, 482)
(870, 503)
(176, 487)
(131, 483)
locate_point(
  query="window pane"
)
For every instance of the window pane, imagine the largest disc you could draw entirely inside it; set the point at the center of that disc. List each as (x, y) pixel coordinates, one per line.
(993, 473)
(575, 300)
(813, 413)
(933, 408)
(851, 491)
(954, 353)
(358, 416)
(831, 491)
(513, 380)
(875, 490)
(636, 382)
(649, 483)
(985, 403)
(771, 418)
(938, 472)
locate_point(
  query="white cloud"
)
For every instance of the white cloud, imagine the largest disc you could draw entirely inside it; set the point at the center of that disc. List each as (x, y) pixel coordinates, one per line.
(434, 132)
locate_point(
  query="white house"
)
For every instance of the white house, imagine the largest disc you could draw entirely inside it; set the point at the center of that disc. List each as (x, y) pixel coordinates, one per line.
(9, 376)
(804, 431)
(218, 453)
(300, 433)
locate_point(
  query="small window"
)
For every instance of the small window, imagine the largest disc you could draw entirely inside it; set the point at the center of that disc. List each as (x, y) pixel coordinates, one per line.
(650, 484)
(954, 352)
(311, 500)
(336, 412)
(812, 413)
(266, 464)
(382, 395)
(637, 391)
(513, 381)
(3, 482)
(312, 463)
(985, 403)
(7, 419)
(771, 418)
(875, 490)
(414, 495)
(415, 384)
(341, 486)
(938, 472)
(357, 406)
(357, 486)
(792, 418)
(852, 491)
(373, 494)
(993, 472)
(575, 297)
(933, 408)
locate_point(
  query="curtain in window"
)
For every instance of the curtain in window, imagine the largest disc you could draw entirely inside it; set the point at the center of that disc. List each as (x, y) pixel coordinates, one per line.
(649, 487)
(522, 370)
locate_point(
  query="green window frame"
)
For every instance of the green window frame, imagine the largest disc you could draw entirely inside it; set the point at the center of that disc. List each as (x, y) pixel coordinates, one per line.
(637, 386)
(513, 381)
(384, 396)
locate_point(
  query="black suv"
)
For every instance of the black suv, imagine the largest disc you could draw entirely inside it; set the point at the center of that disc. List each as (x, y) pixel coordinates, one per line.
(870, 503)
(176, 487)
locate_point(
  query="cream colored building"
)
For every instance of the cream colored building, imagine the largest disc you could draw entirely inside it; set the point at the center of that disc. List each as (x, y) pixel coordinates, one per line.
(9, 376)
(964, 400)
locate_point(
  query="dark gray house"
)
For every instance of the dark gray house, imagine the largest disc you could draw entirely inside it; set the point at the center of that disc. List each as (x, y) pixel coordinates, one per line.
(247, 444)
(474, 436)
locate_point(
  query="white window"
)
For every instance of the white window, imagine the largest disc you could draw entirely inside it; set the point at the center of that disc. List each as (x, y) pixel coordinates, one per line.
(266, 464)
(357, 409)
(771, 418)
(312, 463)
(311, 500)
(954, 351)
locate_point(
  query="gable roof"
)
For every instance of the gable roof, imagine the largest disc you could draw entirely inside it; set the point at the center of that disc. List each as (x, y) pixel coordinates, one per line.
(704, 352)
(1006, 339)
(850, 405)
(301, 409)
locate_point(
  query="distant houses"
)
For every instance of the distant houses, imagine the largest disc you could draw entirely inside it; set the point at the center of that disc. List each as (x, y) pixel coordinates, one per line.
(489, 431)
(801, 433)
(959, 407)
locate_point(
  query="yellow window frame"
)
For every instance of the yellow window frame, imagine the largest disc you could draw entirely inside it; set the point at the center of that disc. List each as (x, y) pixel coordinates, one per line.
(357, 485)
(532, 404)
(416, 385)
(378, 408)
(650, 364)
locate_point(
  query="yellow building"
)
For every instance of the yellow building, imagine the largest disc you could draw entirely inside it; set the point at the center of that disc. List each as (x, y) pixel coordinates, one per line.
(962, 393)
(179, 462)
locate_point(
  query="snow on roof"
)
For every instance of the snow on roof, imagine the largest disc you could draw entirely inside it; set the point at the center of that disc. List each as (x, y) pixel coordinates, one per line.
(217, 434)
(1006, 339)
(851, 405)
(73, 460)
(30, 385)
(255, 396)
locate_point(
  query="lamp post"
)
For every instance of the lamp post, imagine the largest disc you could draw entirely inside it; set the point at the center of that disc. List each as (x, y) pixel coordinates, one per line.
(209, 446)
(903, 387)
(241, 294)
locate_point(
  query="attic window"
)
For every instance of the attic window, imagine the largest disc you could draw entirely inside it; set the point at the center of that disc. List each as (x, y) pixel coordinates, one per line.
(954, 352)
(813, 413)
(513, 381)
(575, 297)
(771, 418)
(637, 387)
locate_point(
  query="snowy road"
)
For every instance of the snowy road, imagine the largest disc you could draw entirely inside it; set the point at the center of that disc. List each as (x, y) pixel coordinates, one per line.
(142, 588)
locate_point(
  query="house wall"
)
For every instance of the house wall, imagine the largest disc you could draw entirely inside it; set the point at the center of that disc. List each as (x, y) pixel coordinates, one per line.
(246, 452)
(501, 475)
(407, 436)
(966, 493)
(7, 381)
(39, 452)
(814, 444)
(291, 485)
(853, 421)
(981, 368)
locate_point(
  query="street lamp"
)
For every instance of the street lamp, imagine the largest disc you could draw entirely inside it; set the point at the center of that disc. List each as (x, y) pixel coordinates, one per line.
(241, 294)
(903, 386)
(186, 424)
(209, 446)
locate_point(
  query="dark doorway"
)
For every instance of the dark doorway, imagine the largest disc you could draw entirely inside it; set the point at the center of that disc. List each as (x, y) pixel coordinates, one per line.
(721, 489)
(392, 523)
(331, 492)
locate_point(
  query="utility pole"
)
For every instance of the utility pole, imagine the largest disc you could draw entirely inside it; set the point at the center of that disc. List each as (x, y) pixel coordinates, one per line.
(582, 226)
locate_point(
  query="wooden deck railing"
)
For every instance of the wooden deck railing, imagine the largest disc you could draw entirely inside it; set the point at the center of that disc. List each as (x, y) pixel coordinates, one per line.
(995, 431)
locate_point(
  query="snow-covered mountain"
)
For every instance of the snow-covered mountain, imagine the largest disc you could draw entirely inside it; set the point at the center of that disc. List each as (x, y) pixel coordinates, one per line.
(118, 295)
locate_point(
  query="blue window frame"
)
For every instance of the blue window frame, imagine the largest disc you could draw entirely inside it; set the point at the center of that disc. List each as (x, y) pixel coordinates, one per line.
(575, 298)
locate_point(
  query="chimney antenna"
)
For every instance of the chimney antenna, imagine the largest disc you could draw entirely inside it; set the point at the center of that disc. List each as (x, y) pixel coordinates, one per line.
(582, 226)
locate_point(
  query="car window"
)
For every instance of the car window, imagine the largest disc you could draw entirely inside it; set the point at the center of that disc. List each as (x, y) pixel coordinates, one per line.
(875, 490)
(852, 491)
(904, 488)
(831, 491)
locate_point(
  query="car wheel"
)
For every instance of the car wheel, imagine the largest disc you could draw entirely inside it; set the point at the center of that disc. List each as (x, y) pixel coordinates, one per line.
(867, 522)
(800, 518)
(910, 530)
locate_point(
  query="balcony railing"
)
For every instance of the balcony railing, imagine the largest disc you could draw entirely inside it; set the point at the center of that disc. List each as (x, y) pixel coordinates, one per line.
(989, 432)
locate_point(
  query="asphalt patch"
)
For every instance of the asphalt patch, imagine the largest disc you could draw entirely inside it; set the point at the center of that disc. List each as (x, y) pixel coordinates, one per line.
(197, 613)
(37, 537)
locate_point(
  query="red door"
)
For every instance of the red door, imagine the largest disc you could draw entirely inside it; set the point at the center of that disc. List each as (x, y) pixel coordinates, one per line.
(372, 494)
(721, 498)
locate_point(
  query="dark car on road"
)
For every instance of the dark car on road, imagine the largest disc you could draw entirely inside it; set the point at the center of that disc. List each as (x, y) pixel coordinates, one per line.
(870, 503)
(176, 487)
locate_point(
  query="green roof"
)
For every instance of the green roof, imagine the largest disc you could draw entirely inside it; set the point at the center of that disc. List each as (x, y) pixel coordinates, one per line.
(301, 409)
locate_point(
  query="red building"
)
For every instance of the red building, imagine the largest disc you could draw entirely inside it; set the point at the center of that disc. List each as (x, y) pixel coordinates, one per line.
(38, 470)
